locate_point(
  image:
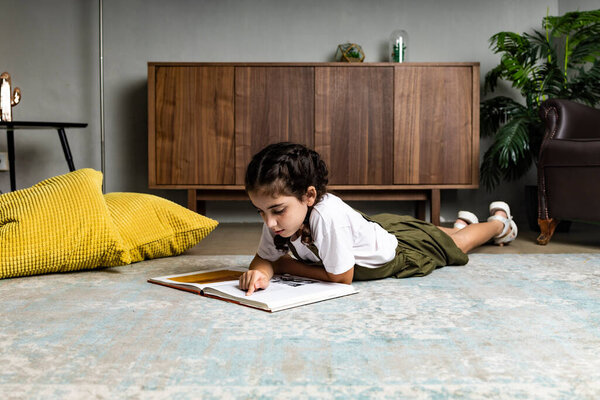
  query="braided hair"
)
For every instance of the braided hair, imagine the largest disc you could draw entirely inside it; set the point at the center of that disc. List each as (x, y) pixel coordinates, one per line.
(288, 169)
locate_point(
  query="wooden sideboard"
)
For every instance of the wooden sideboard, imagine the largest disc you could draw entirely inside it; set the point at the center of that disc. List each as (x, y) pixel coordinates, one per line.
(386, 131)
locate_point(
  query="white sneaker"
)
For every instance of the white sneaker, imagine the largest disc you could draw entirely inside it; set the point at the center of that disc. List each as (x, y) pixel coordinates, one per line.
(465, 216)
(510, 230)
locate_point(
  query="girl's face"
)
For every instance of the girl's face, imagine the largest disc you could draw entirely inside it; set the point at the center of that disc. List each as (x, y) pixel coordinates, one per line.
(284, 215)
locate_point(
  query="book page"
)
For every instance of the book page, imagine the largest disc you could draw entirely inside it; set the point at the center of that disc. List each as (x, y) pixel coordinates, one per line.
(286, 290)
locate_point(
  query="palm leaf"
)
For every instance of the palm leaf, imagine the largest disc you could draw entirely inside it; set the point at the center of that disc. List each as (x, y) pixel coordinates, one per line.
(492, 78)
(552, 84)
(496, 111)
(587, 50)
(542, 48)
(571, 21)
(509, 157)
(512, 141)
(585, 87)
(508, 42)
(517, 71)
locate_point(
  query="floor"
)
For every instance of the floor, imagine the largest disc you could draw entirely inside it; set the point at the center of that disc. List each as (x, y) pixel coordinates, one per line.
(242, 238)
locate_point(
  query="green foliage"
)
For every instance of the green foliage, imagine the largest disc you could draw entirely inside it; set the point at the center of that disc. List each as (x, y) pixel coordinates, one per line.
(563, 62)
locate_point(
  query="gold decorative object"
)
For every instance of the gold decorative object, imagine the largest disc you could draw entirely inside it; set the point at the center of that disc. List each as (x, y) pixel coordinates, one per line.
(349, 52)
(7, 102)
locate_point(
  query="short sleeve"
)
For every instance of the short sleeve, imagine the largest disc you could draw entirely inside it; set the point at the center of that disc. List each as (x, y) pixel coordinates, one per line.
(334, 241)
(266, 247)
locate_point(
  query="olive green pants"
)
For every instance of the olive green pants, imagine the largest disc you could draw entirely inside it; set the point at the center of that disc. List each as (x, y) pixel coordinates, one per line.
(422, 247)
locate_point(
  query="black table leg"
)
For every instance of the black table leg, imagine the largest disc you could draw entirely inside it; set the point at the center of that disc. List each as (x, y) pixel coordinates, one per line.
(65, 145)
(10, 142)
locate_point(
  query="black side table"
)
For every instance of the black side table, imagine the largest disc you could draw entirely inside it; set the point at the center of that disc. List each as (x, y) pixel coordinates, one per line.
(15, 125)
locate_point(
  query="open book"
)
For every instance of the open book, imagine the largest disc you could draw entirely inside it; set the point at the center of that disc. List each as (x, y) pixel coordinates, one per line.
(284, 291)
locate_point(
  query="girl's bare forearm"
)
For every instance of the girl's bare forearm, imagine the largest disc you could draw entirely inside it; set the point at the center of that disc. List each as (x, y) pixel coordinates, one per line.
(262, 265)
(289, 265)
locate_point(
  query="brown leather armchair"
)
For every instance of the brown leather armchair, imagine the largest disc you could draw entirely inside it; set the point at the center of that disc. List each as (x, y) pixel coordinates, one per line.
(568, 165)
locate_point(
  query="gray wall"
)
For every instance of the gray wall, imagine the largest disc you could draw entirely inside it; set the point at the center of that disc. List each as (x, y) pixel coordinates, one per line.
(51, 51)
(577, 5)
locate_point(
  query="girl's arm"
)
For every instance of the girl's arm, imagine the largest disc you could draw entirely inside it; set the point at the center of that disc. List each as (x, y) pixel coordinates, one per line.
(289, 265)
(261, 271)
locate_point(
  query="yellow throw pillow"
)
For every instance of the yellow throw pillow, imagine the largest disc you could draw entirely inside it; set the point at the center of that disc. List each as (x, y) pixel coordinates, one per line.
(60, 224)
(154, 227)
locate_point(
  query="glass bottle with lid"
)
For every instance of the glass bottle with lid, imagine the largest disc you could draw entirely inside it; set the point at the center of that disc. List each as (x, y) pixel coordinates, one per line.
(397, 46)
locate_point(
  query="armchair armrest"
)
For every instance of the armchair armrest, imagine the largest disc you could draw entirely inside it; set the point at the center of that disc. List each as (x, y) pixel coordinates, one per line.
(572, 153)
(565, 119)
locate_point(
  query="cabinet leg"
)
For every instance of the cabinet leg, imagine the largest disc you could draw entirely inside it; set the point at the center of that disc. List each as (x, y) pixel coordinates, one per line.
(435, 207)
(198, 206)
(192, 200)
(547, 227)
(421, 210)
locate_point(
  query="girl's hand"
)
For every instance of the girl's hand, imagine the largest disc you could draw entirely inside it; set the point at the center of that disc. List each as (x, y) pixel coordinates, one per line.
(252, 280)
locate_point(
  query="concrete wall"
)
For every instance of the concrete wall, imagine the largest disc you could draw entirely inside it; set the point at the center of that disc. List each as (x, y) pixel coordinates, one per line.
(51, 50)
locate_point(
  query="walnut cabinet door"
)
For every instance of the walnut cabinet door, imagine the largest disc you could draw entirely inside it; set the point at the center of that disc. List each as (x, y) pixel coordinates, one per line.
(354, 123)
(433, 134)
(272, 104)
(194, 134)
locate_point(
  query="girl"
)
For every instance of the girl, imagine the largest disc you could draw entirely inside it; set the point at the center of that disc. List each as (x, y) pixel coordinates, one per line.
(330, 241)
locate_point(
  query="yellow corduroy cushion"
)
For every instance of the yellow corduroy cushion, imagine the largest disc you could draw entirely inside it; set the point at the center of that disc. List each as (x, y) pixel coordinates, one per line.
(60, 224)
(154, 227)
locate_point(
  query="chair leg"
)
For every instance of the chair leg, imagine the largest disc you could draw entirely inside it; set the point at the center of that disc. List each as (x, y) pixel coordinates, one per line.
(547, 227)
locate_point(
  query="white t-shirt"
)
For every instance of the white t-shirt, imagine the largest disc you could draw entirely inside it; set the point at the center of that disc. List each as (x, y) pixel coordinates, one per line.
(342, 236)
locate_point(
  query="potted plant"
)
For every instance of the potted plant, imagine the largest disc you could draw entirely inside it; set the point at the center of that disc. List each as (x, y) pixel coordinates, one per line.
(561, 61)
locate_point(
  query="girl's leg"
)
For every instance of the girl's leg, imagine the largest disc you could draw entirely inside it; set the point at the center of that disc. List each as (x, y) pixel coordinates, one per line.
(448, 231)
(474, 235)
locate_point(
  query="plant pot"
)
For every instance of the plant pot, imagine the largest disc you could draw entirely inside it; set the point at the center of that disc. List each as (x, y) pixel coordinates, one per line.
(531, 210)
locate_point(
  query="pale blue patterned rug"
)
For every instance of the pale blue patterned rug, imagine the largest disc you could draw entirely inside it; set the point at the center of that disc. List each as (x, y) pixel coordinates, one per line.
(504, 326)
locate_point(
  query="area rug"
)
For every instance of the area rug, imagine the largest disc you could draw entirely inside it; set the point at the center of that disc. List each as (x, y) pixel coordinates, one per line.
(503, 326)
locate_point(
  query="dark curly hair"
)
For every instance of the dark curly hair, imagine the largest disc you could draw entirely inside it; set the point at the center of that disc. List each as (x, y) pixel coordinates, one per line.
(287, 169)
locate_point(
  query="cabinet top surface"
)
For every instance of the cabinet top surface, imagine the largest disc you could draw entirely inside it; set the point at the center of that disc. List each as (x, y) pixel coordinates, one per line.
(312, 64)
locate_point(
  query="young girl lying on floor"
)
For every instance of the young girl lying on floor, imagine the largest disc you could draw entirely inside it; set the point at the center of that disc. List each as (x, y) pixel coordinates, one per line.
(330, 241)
